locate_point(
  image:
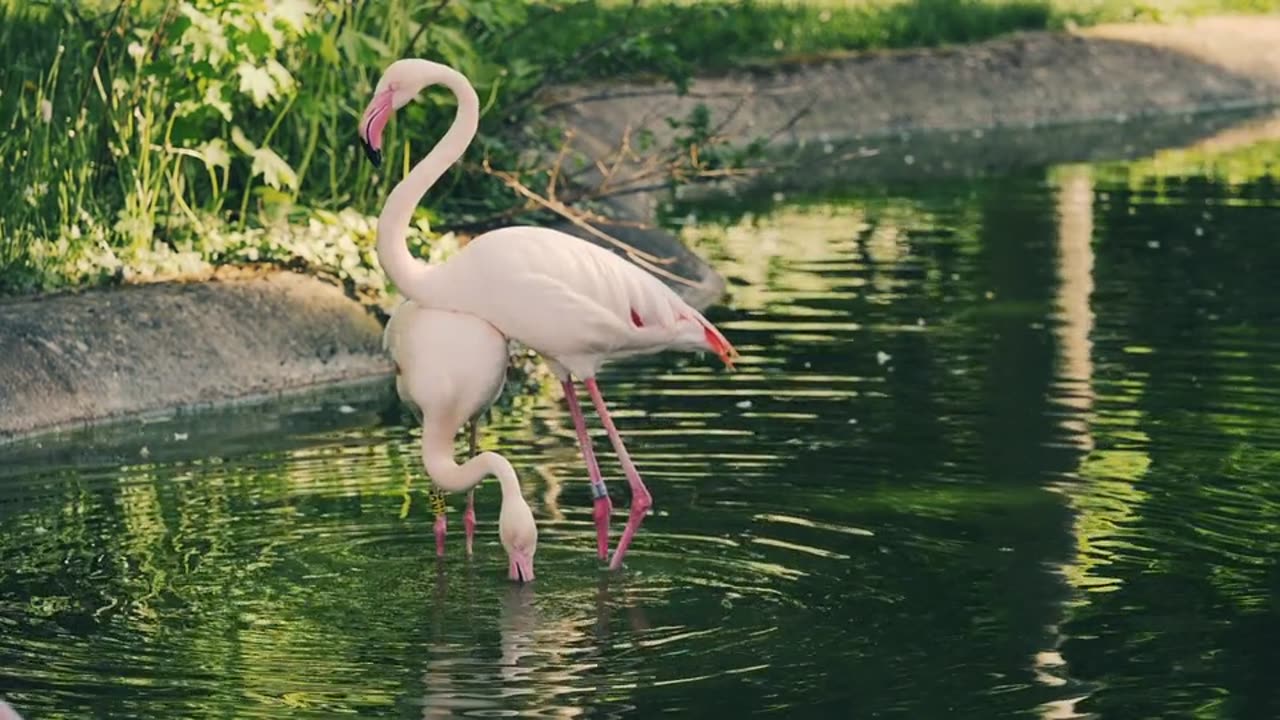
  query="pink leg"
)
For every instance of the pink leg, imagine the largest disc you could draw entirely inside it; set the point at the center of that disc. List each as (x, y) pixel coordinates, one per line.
(603, 505)
(441, 524)
(469, 517)
(641, 500)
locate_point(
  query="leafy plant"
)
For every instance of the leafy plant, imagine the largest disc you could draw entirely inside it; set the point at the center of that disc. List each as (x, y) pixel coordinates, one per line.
(137, 130)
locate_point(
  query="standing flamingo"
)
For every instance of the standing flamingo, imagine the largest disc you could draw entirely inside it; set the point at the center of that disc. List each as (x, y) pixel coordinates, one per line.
(577, 304)
(449, 368)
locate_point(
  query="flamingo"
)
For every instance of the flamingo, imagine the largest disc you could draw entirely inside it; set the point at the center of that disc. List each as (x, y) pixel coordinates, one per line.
(7, 712)
(577, 304)
(450, 367)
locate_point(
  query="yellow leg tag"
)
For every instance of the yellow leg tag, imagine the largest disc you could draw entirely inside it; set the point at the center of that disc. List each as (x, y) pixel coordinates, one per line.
(437, 501)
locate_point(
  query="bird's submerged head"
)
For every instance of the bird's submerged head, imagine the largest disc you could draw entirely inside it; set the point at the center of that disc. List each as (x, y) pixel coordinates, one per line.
(519, 536)
(400, 83)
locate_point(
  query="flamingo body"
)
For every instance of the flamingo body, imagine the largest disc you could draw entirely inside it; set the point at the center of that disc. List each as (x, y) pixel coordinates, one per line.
(450, 367)
(576, 304)
(573, 302)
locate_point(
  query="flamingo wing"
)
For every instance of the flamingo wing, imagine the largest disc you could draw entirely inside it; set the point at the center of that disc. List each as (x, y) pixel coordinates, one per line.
(567, 298)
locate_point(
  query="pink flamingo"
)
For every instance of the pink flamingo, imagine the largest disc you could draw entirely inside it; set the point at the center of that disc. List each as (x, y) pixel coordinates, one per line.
(578, 305)
(449, 368)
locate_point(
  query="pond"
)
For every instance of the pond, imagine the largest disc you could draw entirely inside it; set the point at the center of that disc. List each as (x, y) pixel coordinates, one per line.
(997, 447)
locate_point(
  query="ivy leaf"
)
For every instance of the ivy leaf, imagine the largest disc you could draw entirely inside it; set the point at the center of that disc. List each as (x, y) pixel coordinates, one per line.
(214, 153)
(292, 13)
(257, 83)
(262, 40)
(212, 99)
(281, 76)
(274, 170)
(203, 36)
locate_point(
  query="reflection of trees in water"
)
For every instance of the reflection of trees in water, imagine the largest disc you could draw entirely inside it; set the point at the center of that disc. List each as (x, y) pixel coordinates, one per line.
(953, 435)
(1057, 350)
(1176, 567)
(1072, 396)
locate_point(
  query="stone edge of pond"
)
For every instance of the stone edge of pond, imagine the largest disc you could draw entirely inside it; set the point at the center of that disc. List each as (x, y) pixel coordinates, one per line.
(111, 354)
(1024, 81)
(108, 354)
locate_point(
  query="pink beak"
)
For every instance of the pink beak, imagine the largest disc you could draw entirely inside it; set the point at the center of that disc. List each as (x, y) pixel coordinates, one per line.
(520, 568)
(375, 118)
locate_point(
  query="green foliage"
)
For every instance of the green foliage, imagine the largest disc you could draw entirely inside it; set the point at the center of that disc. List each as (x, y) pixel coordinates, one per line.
(703, 153)
(135, 133)
(1235, 168)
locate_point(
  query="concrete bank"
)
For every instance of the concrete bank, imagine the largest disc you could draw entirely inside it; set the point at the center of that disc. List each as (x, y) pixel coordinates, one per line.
(112, 353)
(73, 359)
(974, 99)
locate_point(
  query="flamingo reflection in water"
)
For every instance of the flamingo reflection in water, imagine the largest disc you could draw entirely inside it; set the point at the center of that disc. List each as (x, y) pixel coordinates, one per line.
(548, 647)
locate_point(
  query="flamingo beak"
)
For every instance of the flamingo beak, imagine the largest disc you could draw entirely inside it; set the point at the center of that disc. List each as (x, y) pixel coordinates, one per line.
(375, 156)
(373, 121)
(521, 567)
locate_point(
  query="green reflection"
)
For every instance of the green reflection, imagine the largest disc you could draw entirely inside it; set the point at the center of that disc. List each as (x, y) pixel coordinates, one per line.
(998, 448)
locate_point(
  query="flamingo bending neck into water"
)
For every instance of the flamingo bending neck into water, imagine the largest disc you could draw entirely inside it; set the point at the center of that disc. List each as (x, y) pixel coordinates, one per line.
(449, 368)
(576, 304)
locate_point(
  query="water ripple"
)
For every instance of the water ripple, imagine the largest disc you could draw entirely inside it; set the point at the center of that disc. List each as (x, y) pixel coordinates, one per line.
(983, 457)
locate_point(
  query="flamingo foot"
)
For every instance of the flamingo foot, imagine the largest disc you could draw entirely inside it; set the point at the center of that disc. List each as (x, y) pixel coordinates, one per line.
(440, 528)
(469, 523)
(640, 504)
(603, 509)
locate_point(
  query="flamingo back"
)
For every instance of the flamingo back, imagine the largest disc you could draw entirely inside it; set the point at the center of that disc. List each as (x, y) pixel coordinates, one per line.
(574, 302)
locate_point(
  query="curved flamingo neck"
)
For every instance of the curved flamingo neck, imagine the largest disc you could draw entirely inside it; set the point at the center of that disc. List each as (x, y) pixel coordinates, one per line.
(448, 475)
(410, 273)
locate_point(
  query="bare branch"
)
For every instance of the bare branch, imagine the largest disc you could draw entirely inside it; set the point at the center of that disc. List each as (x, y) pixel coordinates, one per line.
(640, 257)
(555, 167)
(422, 27)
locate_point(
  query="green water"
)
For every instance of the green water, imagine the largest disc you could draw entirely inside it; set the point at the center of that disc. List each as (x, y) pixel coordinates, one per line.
(1003, 447)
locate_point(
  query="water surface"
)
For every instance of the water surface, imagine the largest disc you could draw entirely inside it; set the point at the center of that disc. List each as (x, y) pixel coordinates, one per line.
(997, 447)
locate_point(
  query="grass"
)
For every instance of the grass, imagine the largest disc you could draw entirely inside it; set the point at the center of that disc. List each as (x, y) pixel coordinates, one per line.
(150, 138)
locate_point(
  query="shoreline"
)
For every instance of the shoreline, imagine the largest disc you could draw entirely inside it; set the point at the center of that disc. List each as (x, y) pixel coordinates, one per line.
(85, 357)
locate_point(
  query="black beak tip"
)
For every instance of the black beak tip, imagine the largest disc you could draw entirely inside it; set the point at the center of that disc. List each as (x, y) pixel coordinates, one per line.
(375, 156)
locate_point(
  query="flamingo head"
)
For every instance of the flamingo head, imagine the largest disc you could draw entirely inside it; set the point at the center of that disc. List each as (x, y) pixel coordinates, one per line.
(400, 83)
(519, 536)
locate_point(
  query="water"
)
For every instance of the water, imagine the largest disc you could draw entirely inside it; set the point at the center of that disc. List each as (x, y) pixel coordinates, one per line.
(1000, 447)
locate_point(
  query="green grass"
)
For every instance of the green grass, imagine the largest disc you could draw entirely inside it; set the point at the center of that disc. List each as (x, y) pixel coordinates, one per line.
(130, 150)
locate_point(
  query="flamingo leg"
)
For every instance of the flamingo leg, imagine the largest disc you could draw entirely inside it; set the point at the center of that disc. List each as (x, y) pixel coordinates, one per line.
(469, 517)
(603, 505)
(641, 500)
(441, 526)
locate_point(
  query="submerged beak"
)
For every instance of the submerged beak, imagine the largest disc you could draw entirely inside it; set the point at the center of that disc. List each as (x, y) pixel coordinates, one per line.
(373, 121)
(521, 568)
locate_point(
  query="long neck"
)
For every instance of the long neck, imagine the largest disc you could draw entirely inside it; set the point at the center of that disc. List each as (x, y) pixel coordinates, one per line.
(408, 272)
(448, 475)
